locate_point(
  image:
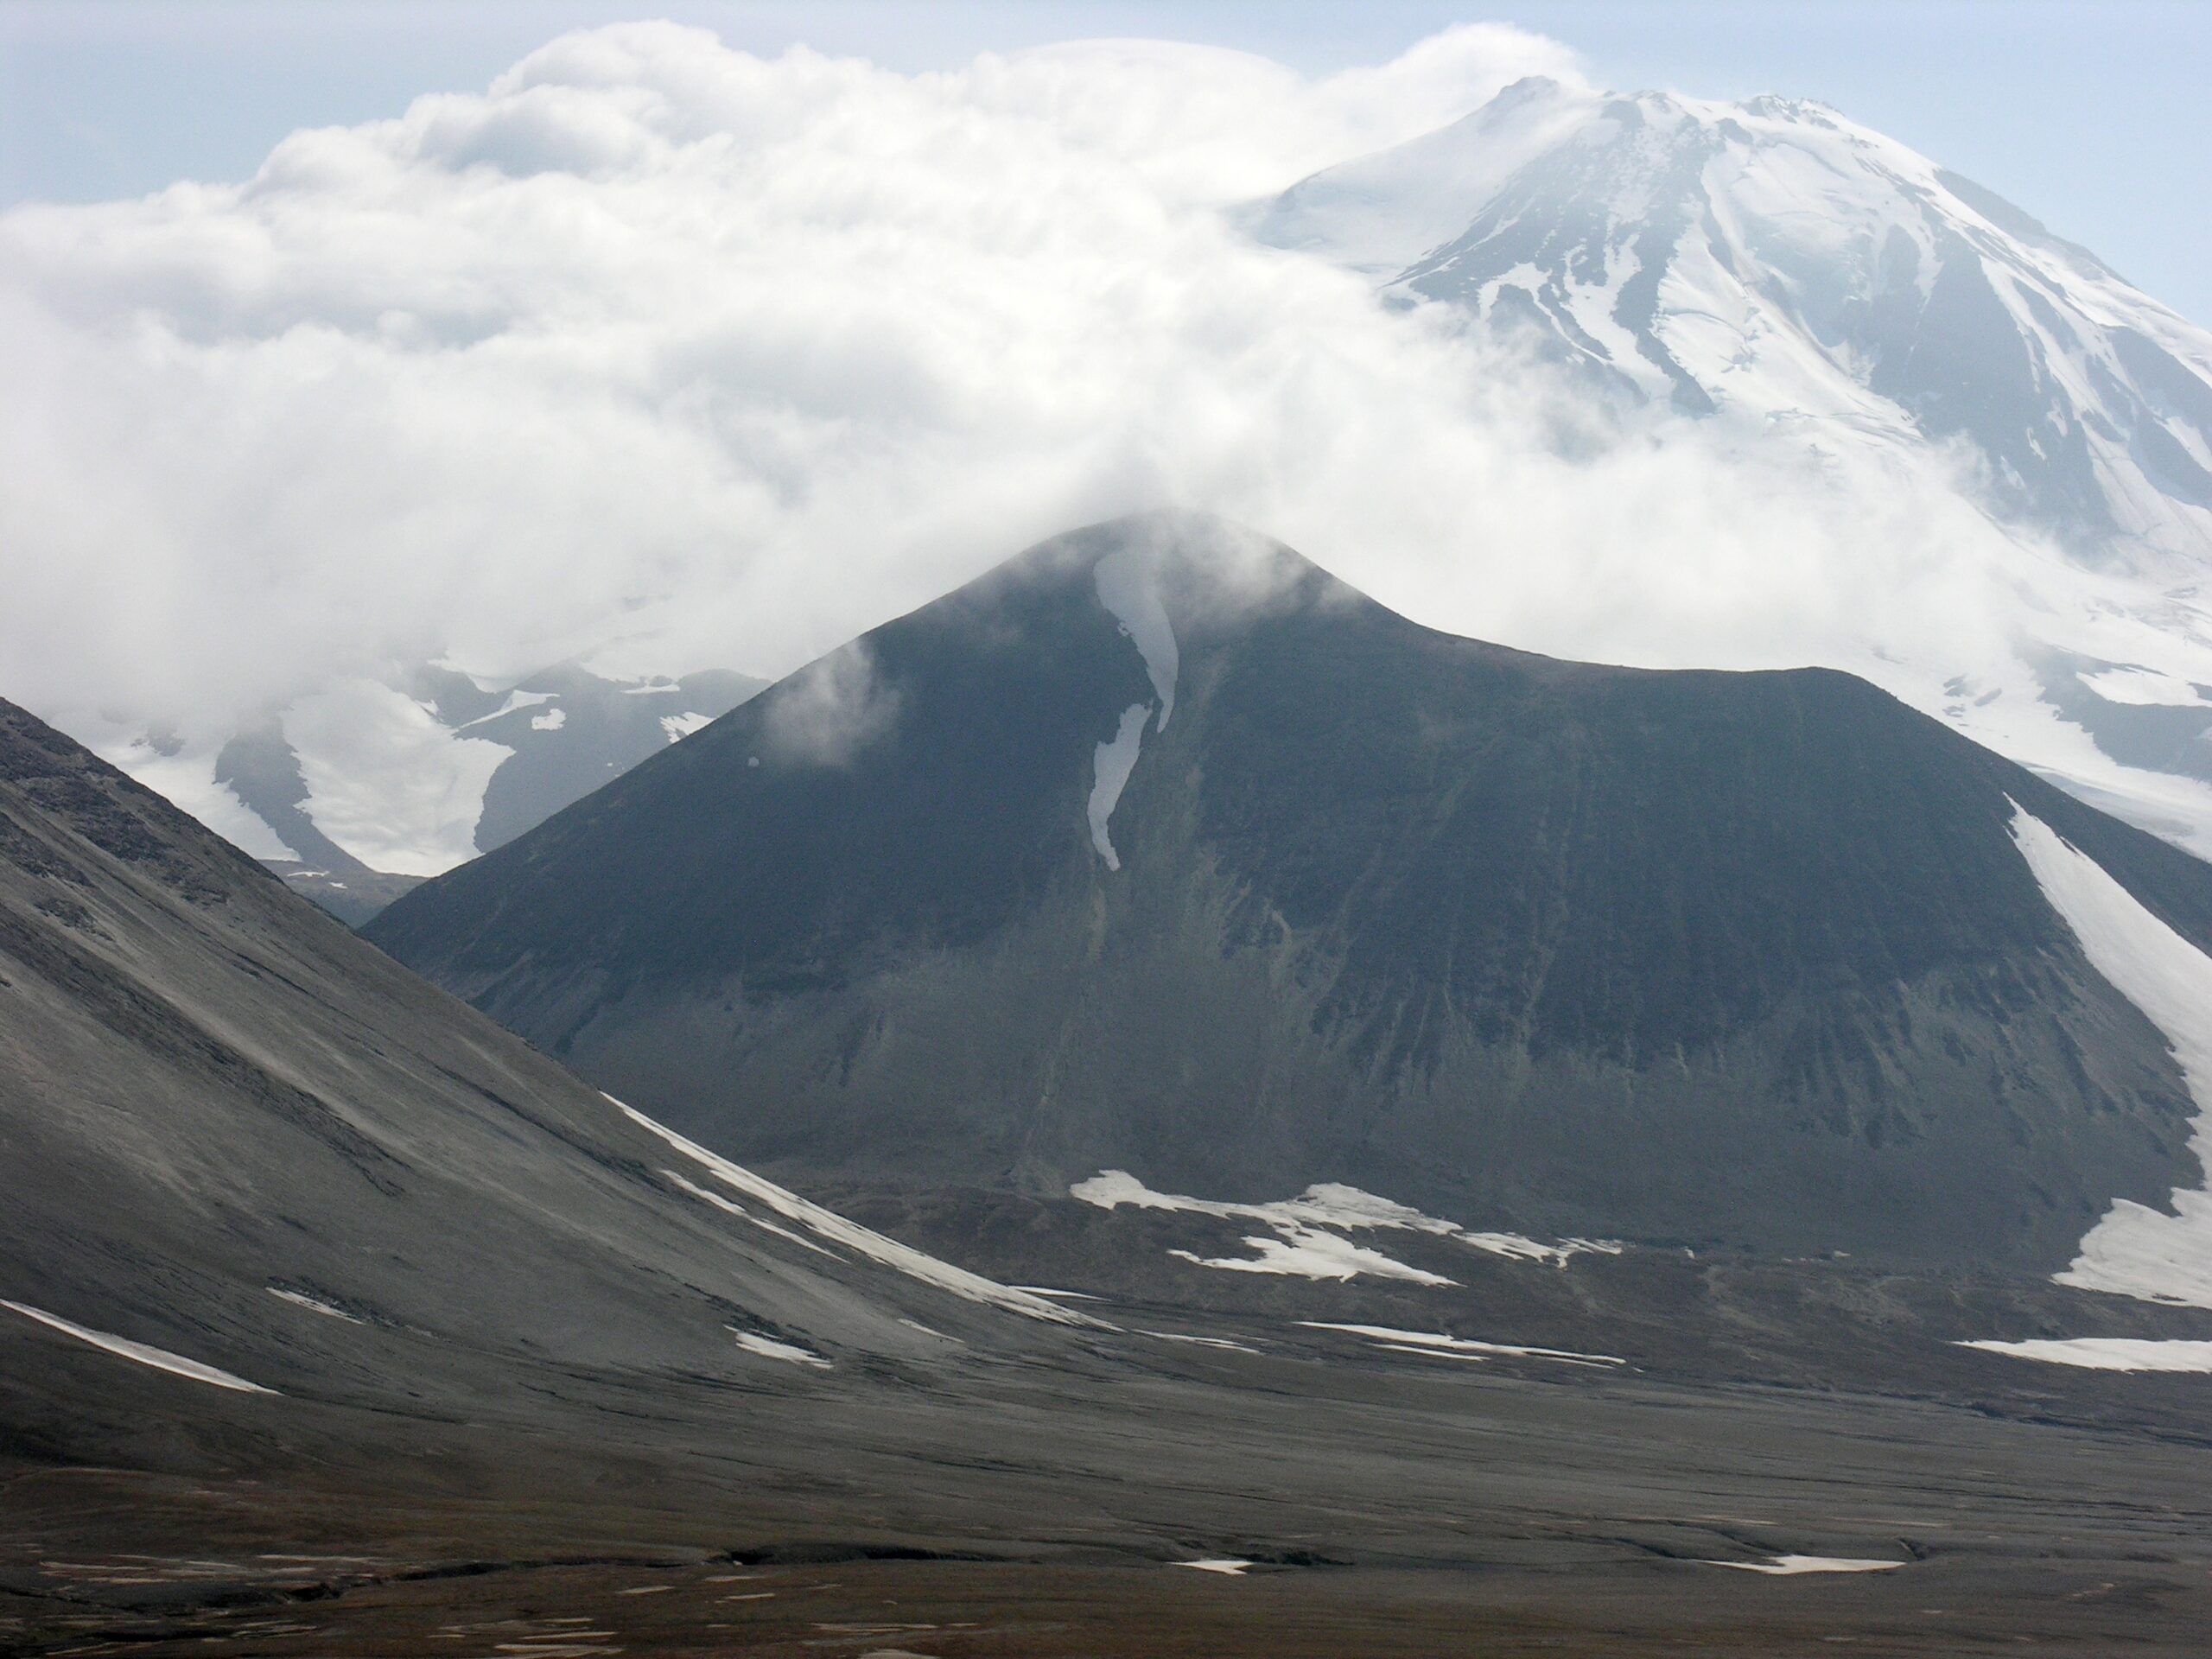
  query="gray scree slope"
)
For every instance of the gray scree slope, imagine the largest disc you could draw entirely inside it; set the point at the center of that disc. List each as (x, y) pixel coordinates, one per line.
(231, 1130)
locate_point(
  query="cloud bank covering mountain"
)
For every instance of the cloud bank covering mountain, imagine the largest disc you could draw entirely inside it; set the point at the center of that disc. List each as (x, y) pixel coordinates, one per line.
(679, 357)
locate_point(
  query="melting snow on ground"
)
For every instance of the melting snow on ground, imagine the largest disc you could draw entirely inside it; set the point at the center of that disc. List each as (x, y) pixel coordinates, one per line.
(761, 1222)
(768, 1347)
(301, 1298)
(2108, 1353)
(1790, 1566)
(1436, 1343)
(1308, 1253)
(679, 727)
(1308, 1229)
(2136, 1250)
(1228, 1567)
(862, 1240)
(1201, 1342)
(160, 1358)
(1110, 774)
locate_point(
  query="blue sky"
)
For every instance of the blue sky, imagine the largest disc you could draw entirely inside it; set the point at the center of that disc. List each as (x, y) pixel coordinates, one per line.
(2092, 115)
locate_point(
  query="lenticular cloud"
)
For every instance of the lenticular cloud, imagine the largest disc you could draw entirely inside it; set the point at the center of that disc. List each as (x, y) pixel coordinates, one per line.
(673, 357)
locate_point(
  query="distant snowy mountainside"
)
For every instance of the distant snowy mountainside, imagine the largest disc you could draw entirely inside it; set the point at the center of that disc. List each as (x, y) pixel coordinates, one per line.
(360, 789)
(1773, 266)
(1774, 258)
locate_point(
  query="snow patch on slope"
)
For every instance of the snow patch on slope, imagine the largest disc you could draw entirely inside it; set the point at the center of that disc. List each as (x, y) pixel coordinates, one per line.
(515, 700)
(768, 1347)
(1308, 1253)
(1435, 1342)
(2108, 1353)
(160, 1358)
(862, 1240)
(2136, 1250)
(1201, 1342)
(738, 1210)
(312, 1304)
(1110, 774)
(1791, 1566)
(1304, 1244)
(1129, 586)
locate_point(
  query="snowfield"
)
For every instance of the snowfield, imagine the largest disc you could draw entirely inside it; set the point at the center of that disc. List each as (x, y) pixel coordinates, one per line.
(862, 1240)
(1110, 768)
(768, 1347)
(140, 1353)
(1436, 1343)
(2108, 1353)
(1792, 1566)
(1308, 1231)
(2136, 1250)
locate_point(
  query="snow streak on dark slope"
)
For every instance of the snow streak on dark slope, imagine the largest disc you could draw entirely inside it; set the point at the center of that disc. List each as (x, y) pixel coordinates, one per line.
(233, 1134)
(1159, 850)
(1809, 281)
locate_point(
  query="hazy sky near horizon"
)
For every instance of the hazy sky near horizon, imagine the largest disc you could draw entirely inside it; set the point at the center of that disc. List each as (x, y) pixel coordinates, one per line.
(2094, 116)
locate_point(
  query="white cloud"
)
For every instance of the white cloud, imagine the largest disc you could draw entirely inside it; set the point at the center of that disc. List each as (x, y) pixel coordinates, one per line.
(714, 361)
(654, 338)
(830, 710)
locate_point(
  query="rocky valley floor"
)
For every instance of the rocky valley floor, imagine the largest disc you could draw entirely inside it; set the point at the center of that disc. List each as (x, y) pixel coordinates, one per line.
(1139, 1487)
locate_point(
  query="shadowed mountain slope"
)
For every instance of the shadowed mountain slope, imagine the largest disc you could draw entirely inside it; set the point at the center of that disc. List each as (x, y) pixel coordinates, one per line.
(1159, 848)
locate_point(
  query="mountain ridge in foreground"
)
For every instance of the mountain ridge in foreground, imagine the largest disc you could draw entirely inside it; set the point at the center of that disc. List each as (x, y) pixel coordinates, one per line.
(1159, 850)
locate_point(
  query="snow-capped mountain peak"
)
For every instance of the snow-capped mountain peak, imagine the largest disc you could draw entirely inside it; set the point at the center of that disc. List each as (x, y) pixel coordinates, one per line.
(1775, 259)
(1773, 273)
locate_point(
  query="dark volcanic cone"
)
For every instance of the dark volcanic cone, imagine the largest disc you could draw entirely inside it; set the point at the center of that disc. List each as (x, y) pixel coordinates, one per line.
(1160, 848)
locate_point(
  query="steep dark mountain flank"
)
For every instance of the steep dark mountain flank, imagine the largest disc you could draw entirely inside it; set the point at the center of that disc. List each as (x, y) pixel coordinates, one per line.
(1699, 958)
